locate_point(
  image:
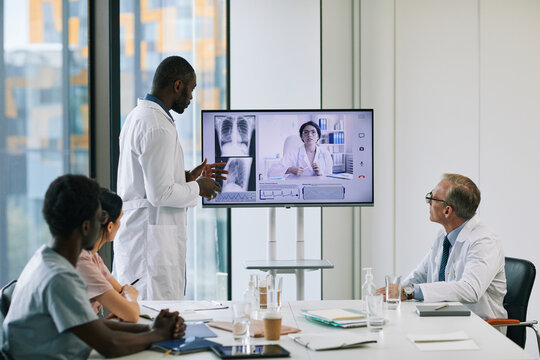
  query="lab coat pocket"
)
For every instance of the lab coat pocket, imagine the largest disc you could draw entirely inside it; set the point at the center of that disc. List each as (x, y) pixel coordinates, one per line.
(165, 247)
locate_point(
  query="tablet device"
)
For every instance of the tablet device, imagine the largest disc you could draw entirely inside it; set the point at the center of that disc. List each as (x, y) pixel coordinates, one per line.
(251, 352)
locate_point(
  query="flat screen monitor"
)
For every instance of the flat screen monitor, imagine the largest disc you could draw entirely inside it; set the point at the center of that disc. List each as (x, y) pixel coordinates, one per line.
(291, 157)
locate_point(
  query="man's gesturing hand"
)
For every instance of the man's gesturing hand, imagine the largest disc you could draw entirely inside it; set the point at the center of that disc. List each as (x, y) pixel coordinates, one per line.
(208, 188)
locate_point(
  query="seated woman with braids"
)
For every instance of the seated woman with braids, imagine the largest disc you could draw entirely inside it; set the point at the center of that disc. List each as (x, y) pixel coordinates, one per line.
(103, 289)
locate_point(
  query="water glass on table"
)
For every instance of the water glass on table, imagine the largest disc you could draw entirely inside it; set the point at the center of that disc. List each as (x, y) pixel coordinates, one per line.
(375, 312)
(274, 285)
(261, 289)
(393, 291)
(241, 311)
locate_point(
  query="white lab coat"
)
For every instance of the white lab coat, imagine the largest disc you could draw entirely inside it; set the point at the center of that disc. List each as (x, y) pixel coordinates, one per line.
(299, 158)
(151, 240)
(474, 272)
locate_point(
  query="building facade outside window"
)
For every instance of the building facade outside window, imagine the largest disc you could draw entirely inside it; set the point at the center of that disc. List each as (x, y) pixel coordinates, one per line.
(196, 30)
(43, 116)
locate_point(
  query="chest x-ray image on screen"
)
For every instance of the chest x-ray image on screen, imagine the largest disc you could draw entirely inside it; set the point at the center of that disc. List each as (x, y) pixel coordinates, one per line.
(240, 177)
(234, 134)
(235, 145)
(291, 157)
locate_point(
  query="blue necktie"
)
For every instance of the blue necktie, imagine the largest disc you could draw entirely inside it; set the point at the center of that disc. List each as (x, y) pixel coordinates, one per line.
(444, 258)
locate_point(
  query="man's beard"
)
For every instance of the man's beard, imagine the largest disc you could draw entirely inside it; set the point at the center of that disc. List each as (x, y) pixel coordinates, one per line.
(180, 105)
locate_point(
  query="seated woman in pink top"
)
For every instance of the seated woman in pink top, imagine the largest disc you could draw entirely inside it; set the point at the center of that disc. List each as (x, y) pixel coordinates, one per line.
(103, 289)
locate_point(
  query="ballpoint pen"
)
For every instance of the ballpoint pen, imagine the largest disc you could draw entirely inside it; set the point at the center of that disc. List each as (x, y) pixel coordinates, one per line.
(441, 306)
(133, 283)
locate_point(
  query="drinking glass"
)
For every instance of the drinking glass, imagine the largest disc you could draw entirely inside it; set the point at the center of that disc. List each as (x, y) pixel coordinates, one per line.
(393, 291)
(274, 285)
(261, 290)
(375, 312)
(241, 311)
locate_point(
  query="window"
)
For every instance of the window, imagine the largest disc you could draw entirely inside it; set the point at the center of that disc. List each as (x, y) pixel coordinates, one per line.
(196, 30)
(44, 116)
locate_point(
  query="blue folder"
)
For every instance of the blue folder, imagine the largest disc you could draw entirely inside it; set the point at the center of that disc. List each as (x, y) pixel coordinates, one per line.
(193, 341)
(184, 346)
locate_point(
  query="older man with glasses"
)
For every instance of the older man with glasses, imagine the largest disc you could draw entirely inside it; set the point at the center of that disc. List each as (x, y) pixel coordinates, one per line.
(466, 262)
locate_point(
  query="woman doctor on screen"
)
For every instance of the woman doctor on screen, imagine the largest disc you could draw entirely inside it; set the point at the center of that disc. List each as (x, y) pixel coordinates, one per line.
(309, 159)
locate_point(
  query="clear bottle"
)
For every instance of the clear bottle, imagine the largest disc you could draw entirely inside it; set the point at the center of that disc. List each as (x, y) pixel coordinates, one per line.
(251, 296)
(368, 287)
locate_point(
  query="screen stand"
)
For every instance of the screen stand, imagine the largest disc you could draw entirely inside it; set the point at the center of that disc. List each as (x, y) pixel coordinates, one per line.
(271, 245)
(297, 266)
(300, 252)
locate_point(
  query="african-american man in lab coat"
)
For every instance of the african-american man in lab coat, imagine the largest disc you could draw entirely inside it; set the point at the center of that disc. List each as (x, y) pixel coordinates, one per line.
(156, 189)
(466, 262)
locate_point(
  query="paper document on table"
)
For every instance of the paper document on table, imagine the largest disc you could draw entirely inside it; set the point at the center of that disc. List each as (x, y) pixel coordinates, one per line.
(188, 316)
(332, 340)
(186, 309)
(457, 340)
(181, 305)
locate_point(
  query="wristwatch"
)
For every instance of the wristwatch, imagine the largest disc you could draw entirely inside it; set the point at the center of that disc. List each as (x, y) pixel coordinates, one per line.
(408, 290)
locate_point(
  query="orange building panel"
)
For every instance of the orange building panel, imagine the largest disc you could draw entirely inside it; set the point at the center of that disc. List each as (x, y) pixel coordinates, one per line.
(74, 26)
(156, 15)
(127, 21)
(84, 115)
(36, 18)
(11, 105)
(81, 78)
(16, 144)
(79, 142)
(144, 48)
(205, 8)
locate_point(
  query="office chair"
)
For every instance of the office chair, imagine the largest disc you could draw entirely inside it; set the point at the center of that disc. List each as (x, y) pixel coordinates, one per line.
(5, 297)
(520, 276)
(5, 301)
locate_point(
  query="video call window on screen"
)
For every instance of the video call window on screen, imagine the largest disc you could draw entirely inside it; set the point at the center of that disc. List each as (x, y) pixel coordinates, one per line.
(291, 157)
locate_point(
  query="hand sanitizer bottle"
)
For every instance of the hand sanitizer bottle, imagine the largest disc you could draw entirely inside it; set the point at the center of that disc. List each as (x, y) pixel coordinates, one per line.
(368, 288)
(251, 296)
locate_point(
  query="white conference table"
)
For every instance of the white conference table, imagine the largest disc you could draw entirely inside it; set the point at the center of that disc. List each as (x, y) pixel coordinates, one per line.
(392, 340)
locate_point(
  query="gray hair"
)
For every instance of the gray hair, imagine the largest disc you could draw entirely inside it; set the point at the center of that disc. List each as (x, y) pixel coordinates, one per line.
(463, 195)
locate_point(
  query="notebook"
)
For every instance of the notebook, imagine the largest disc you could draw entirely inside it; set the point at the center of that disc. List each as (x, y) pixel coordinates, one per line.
(332, 340)
(449, 310)
(344, 318)
(336, 314)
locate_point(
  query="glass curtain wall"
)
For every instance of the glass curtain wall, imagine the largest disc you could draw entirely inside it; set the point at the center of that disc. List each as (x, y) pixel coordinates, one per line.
(151, 30)
(43, 116)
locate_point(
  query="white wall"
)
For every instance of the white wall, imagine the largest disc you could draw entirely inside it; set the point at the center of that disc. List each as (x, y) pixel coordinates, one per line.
(455, 88)
(275, 64)
(339, 243)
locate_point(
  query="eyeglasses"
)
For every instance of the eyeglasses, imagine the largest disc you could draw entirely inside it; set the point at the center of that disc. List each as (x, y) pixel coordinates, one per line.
(104, 218)
(309, 132)
(430, 198)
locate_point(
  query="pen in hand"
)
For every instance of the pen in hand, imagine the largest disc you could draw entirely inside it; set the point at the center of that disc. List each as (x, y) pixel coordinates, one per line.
(133, 283)
(441, 306)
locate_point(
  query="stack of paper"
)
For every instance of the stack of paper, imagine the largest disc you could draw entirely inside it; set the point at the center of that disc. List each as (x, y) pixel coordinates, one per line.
(344, 318)
(189, 310)
(458, 340)
(332, 340)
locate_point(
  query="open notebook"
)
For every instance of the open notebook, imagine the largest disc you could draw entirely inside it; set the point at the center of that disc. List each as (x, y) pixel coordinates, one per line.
(332, 340)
